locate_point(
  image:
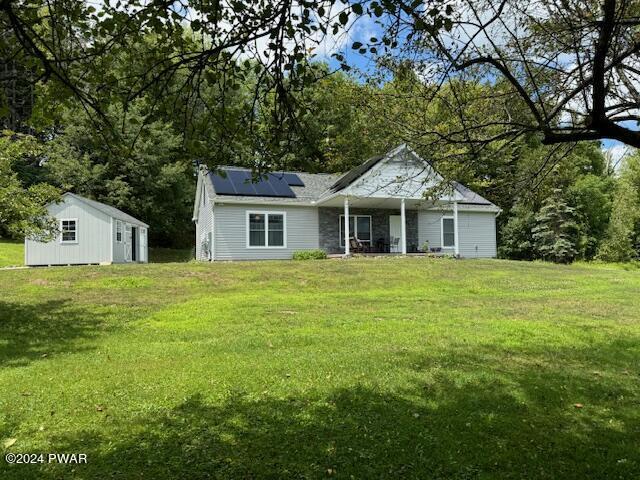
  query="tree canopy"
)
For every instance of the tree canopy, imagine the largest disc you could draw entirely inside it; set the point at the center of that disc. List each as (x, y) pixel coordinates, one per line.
(120, 103)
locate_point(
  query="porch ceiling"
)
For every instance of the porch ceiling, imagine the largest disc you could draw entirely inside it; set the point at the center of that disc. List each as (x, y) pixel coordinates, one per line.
(375, 202)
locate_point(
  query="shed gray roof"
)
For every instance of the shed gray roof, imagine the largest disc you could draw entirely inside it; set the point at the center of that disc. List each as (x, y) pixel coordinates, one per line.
(108, 210)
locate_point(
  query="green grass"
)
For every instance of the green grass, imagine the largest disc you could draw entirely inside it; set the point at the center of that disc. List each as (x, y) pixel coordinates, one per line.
(170, 255)
(11, 253)
(367, 368)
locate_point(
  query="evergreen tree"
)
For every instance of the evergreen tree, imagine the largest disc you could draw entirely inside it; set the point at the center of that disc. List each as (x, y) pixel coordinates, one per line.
(516, 240)
(556, 231)
(622, 242)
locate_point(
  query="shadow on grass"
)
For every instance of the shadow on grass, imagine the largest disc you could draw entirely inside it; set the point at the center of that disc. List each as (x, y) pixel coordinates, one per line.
(170, 255)
(35, 331)
(440, 430)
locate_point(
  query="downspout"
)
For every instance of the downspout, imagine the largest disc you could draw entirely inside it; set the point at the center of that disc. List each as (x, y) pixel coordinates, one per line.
(112, 240)
(213, 231)
(455, 228)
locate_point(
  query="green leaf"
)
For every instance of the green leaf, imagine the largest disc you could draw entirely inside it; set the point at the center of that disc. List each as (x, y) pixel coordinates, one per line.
(357, 8)
(356, 45)
(343, 17)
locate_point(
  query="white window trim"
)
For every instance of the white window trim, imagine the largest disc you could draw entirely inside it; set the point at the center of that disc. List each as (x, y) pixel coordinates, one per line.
(442, 219)
(266, 213)
(119, 222)
(69, 242)
(355, 227)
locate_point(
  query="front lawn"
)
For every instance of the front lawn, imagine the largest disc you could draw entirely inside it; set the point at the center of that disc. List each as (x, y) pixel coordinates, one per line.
(11, 253)
(367, 368)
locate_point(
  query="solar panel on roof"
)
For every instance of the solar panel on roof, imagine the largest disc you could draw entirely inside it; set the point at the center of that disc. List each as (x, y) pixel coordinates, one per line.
(264, 188)
(281, 187)
(239, 182)
(222, 186)
(292, 179)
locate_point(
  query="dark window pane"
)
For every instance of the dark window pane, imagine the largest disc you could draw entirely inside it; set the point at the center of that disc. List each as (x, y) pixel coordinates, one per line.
(276, 222)
(276, 238)
(276, 230)
(257, 230)
(256, 238)
(256, 221)
(364, 228)
(448, 235)
(68, 230)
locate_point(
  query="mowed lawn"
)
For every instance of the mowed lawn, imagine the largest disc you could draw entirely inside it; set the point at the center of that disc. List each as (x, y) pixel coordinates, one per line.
(11, 253)
(366, 368)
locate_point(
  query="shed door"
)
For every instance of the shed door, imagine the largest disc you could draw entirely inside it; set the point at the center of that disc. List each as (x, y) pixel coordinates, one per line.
(128, 243)
(143, 244)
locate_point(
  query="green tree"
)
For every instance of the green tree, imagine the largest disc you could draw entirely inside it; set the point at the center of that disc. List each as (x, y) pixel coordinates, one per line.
(516, 240)
(143, 170)
(23, 210)
(555, 233)
(622, 241)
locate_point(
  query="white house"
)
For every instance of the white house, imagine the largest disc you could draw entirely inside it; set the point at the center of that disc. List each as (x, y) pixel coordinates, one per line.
(387, 204)
(89, 232)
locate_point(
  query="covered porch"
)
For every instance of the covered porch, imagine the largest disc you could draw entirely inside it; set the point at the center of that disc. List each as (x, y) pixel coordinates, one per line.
(377, 226)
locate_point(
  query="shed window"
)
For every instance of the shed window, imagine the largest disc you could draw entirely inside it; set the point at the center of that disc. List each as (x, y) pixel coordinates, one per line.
(266, 229)
(118, 231)
(448, 232)
(69, 230)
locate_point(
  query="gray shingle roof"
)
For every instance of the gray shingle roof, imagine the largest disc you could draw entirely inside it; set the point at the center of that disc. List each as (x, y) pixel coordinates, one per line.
(315, 184)
(470, 196)
(318, 185)
(108, 210)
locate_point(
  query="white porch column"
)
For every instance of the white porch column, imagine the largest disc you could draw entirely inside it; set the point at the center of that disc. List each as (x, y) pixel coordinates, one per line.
(346, 226)
(455, 228)
(403, 227)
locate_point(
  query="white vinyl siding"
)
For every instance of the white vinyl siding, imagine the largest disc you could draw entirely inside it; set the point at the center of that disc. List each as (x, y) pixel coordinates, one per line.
(476, 231)
(230, 235)
(93, 237)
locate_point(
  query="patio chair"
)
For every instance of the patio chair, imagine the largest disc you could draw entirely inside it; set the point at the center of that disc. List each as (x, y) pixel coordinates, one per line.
(382, 245)
(356, 246)
(393, 245)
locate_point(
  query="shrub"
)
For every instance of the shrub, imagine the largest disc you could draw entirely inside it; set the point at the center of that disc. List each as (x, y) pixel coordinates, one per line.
(309, 255)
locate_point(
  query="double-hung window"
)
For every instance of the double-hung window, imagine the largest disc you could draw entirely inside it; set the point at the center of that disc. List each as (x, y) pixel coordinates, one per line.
(118, 231)
(448, 232)
(359, 227)
(266, 230)
(69, 230)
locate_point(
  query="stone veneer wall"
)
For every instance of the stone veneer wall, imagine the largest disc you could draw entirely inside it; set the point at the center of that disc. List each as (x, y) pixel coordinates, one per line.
(329, 219)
